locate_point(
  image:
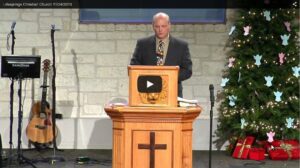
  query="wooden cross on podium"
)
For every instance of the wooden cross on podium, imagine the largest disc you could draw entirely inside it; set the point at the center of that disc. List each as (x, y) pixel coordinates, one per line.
(152, 147)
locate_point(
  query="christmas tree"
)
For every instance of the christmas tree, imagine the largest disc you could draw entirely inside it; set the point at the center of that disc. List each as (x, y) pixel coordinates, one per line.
(260, 92)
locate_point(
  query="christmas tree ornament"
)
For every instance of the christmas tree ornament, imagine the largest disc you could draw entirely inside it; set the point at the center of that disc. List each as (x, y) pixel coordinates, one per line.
(278, 96)
(285, 39)
(231, 30)
(281, 58)
(224, 81)
(257, 59)
(232, 100)
(289, 122)
(267, 15)
(269, 80)
(231, 61)
(270, 136)
(296, 70)
(288, 26)
(255, 92)
(239, 77)
(246, 30)
(243, 123)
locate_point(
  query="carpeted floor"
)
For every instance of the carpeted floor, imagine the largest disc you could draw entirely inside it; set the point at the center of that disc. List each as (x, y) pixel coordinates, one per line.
(102, 159)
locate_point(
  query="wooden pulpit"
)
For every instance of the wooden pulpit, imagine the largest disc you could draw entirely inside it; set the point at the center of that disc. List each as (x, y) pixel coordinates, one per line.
(152, 132)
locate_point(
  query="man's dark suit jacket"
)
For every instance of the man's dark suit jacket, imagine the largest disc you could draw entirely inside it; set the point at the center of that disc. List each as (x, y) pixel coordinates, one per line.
(178, 54)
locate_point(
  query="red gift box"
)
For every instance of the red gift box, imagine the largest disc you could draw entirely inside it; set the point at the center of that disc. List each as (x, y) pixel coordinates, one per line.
(284, 150)
(277, 143)
(257, 154)
(242, 148)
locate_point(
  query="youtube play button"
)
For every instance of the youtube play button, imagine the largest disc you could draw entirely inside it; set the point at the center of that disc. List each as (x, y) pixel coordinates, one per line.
(149, 84)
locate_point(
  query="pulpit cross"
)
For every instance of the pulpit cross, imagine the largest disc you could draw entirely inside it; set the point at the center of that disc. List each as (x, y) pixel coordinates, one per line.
(152, 147)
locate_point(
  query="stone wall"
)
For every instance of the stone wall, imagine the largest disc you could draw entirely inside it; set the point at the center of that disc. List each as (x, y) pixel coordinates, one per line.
(92, 59)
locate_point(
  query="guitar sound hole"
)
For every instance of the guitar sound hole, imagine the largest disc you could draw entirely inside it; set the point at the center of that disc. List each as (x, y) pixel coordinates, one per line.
(40, 127)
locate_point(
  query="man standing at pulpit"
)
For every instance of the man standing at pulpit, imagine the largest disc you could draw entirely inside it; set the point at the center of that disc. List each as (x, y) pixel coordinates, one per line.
(164, 49)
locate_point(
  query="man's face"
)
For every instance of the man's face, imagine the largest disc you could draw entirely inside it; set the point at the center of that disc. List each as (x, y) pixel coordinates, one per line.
(161, 27)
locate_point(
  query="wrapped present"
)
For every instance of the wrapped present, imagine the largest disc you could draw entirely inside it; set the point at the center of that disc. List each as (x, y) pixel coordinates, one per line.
(284, 150)
(257, 154)
(277, 143)
(242, 148)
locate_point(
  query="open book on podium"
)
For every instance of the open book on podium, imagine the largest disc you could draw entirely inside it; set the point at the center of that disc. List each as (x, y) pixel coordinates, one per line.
(153, 85)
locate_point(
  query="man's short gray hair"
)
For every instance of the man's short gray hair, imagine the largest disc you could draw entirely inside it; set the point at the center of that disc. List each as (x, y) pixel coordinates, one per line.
(161, 14)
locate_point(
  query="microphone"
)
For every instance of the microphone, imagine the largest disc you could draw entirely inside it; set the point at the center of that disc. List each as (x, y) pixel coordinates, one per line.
(53, 28)
(13, 25)
(212, 97)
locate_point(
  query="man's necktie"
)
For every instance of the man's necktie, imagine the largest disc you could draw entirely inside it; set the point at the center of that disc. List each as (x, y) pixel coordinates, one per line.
(160, 53)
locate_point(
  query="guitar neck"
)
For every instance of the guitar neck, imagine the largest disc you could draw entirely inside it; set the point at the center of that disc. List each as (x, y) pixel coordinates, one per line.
(44, 93)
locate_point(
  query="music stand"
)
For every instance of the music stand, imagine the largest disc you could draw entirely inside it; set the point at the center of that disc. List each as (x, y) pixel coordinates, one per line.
(20, 67)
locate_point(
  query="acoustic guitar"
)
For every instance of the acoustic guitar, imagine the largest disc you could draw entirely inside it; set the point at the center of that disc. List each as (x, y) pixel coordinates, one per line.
(39, 129)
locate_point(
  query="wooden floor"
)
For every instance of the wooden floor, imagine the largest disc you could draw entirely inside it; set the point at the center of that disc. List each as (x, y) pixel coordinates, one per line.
(102, 159)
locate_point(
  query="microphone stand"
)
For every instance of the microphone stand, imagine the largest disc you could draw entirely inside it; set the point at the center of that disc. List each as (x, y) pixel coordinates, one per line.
(11, 97)
(54, 158)
(212, 100)
(53, 89)
(13, 41)
(21, 159)
(20, 116)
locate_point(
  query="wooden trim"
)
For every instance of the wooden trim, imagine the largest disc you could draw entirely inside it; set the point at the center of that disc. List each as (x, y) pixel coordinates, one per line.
(142, 114)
